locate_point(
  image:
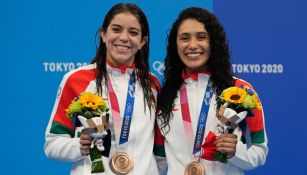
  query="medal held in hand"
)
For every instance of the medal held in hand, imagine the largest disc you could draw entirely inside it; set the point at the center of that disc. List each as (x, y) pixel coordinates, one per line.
(194, 168)
(121, 163)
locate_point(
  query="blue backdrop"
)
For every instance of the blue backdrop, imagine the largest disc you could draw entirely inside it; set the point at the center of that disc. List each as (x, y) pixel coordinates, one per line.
(42, 40)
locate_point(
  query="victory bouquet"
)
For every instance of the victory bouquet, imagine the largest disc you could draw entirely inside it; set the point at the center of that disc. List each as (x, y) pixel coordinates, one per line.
(90, 110)
(234, 104)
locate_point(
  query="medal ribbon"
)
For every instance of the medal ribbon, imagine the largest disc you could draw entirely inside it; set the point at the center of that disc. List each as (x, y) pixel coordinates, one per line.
(124, 134)
(187, 124)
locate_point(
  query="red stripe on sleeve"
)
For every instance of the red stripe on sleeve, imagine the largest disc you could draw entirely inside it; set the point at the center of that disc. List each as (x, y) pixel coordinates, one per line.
(75, 84)
(255, 122)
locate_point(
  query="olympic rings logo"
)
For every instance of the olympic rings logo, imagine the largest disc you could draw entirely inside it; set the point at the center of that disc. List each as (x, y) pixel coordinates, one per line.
(159, 67)
(129, 107)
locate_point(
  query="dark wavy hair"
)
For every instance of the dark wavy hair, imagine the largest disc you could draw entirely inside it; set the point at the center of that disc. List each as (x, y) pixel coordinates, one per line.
(219, 61)
(141, 57)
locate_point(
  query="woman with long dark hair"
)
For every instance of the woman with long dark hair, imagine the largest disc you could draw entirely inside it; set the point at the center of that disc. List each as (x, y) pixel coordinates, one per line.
(197, 70)
(120, 74)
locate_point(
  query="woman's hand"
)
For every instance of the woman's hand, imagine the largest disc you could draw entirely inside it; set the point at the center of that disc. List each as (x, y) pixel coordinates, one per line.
(85, 143)
(227, 143)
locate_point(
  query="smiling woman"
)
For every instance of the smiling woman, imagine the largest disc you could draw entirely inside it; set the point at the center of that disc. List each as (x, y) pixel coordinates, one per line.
(123, 39)
(191, 135)
(119, 73)
(193, 45)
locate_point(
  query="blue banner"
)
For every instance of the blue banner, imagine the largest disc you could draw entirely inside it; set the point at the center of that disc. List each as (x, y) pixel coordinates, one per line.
(42, 40)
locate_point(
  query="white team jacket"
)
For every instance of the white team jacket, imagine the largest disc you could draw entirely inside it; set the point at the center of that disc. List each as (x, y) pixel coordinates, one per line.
(179, 152)
(62, 142)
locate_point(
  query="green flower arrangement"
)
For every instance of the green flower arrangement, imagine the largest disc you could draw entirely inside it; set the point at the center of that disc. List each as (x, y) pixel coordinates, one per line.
(234, 104)
(88, 106)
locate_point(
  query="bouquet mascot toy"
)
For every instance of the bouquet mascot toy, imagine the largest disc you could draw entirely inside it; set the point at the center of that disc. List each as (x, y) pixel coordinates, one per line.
(90, 111)
(229, 117)
(236, 103)
(97, 128)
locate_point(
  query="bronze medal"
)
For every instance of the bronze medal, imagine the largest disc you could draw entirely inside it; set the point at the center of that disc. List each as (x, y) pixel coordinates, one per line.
(194, 168)
(121, 163)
